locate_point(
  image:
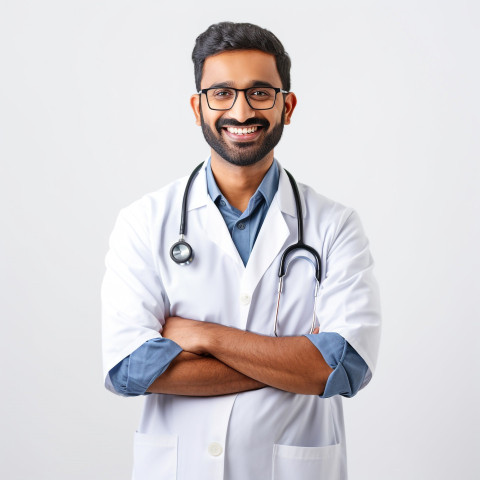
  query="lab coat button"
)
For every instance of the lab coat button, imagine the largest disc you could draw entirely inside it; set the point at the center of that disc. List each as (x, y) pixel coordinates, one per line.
(215, 449)
(244, 298)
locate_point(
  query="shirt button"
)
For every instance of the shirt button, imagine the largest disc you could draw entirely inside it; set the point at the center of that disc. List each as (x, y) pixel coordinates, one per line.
(244, 298)
(222, 203)
(215, 449)
(241, 226)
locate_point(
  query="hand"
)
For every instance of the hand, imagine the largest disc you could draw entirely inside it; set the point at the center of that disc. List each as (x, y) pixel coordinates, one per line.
(191, 335)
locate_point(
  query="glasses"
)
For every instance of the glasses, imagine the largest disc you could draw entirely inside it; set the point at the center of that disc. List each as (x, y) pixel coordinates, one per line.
(259, 98)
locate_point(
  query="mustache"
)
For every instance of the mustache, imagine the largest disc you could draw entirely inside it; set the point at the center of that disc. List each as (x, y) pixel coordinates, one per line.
(223, 122)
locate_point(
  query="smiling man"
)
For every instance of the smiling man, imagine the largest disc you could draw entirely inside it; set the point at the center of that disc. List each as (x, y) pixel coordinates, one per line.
(243, 138)
(240, 380)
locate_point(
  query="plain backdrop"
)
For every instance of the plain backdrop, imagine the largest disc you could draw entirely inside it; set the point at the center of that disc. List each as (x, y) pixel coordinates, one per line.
(94, 113)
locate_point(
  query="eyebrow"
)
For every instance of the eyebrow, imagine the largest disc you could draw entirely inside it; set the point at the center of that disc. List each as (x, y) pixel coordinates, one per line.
(255, 83)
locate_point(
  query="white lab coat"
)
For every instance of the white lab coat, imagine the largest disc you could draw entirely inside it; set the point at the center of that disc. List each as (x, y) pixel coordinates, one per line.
(262, 434)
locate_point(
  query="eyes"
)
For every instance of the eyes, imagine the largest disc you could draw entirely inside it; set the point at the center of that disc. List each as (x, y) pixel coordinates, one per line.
(255, 93)
(259, 98)
(223, 93)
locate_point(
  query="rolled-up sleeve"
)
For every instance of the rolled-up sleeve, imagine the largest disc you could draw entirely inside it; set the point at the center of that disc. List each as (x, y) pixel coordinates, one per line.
(349, 369)
(347, 305)
(348, 308)
(133, 304)
(135, 373)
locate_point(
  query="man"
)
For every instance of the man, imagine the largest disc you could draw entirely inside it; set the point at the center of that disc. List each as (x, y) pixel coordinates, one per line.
(239, 383)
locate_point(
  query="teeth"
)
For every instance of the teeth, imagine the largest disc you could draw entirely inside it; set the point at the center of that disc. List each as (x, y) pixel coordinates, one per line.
(242, 131)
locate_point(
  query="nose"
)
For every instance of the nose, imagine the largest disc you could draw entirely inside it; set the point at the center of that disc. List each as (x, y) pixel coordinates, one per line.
(241, 110)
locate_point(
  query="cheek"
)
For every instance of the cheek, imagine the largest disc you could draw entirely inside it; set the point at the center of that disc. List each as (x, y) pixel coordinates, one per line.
(213, 123)
(209, 120)
(276, 117)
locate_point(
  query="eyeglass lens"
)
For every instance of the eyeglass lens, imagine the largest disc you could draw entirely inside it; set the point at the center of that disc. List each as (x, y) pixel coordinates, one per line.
(259, 98)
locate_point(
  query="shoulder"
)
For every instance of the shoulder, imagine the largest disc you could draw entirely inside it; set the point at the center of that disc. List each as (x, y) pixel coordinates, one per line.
(326, 210)
(154, 204)
(332, 222)
(136, 222)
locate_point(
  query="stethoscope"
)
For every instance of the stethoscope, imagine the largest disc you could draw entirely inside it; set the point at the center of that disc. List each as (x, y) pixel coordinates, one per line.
(182, 253)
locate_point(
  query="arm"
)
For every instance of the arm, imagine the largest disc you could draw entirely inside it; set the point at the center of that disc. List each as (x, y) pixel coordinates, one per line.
(292, 364)
(193, 375)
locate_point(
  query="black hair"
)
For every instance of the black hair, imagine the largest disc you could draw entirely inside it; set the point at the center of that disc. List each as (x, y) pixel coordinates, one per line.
(223, 36)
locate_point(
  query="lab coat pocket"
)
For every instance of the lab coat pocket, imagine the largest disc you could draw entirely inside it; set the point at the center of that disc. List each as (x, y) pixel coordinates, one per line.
(155, 457)
(308, 463)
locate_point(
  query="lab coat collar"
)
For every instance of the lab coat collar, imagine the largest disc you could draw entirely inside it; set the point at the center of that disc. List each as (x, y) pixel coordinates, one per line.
(285, 196)
(199, 197)
(273, 235)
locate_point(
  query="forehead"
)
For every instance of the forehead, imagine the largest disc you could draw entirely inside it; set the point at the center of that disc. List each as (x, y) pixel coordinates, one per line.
(241, 68)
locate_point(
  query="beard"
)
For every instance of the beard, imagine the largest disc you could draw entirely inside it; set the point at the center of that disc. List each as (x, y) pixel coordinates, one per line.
(242, 154)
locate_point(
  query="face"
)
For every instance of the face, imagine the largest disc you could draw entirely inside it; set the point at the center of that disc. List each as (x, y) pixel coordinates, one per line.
(242, 69)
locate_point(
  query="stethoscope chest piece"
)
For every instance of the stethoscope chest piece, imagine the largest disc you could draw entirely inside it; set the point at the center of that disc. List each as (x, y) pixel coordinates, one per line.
(181, 252)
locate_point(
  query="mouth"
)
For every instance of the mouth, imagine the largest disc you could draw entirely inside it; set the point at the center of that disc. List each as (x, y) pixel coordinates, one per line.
(243, 134)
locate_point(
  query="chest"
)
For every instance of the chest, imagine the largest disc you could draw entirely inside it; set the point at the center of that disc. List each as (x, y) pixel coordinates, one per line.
(217, 287)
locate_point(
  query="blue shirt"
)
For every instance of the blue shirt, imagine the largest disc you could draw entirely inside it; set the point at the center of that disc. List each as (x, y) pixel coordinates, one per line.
(135, 373)
(244, 227)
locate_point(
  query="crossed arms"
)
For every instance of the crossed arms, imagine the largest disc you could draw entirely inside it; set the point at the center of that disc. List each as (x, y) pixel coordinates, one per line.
(218, 360)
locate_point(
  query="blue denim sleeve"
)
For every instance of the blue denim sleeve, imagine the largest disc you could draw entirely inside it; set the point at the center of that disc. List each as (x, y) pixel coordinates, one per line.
(349, 368)
(135, 373)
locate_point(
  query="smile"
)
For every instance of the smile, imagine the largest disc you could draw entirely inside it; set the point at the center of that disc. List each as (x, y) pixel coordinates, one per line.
(243, 133)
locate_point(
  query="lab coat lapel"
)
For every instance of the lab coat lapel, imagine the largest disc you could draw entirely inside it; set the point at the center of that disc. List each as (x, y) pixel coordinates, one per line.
(217, 232)
(215, 228)
(273, 234)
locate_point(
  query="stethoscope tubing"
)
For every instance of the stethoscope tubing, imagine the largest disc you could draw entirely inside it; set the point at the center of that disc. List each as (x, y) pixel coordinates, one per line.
(182, 253)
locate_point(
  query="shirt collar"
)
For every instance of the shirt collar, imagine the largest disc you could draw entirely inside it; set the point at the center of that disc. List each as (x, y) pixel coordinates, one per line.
(212, 186)
(268, 187)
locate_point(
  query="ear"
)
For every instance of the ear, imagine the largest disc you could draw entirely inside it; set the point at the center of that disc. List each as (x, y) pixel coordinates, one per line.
(290, 104)
(195, 104)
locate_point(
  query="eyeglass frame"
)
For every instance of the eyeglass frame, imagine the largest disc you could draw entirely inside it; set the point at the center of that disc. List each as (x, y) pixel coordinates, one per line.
(244, 90)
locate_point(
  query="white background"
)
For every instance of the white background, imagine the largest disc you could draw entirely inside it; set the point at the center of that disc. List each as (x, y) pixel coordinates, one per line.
(94, 113)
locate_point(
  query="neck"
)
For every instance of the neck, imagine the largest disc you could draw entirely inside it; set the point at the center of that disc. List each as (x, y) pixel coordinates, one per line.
(236, 183)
